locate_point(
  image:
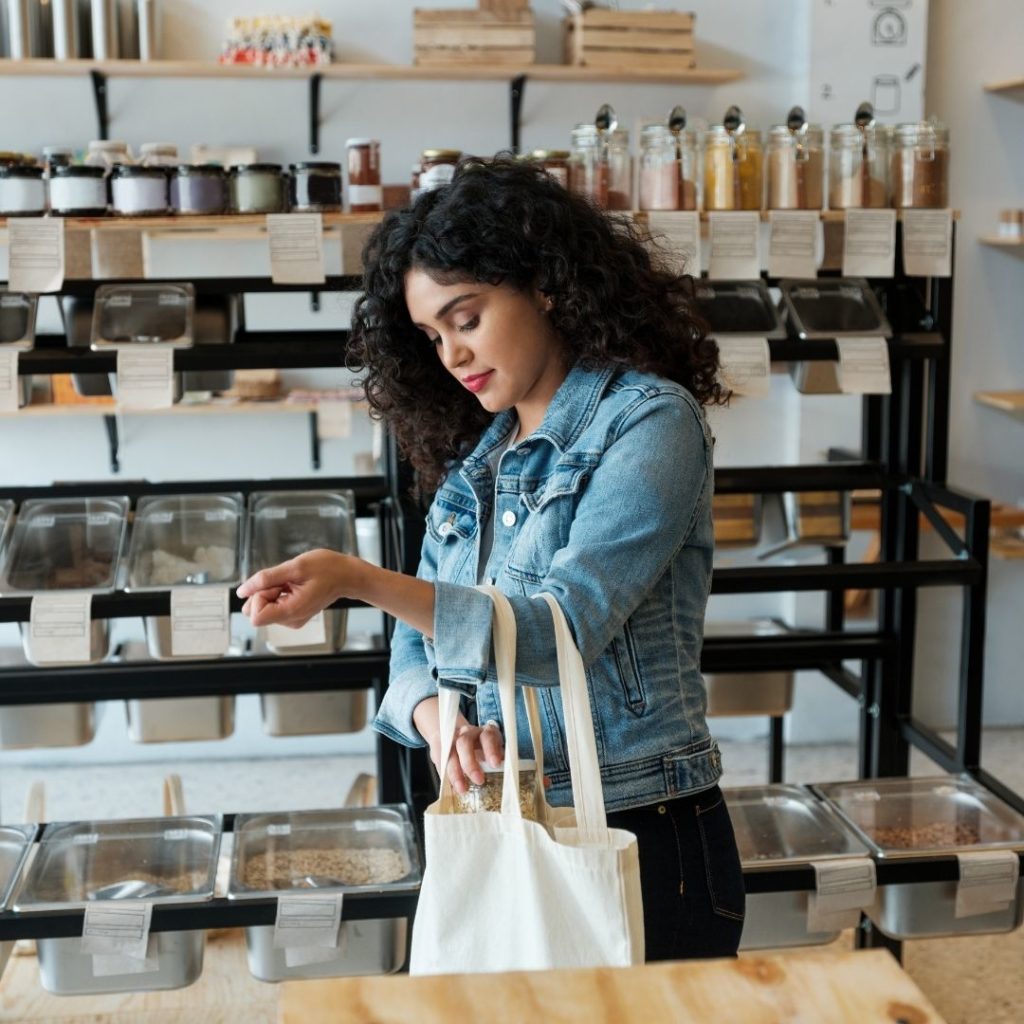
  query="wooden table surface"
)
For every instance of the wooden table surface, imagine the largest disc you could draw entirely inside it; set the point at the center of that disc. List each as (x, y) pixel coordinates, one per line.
(867, 987)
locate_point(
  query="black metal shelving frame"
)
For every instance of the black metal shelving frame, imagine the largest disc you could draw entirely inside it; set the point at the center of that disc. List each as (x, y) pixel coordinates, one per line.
(903, 456)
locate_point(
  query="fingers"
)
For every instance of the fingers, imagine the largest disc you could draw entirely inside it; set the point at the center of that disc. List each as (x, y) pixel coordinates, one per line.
(492, 744)
(276, 576)
(466, 746)
(274, 610)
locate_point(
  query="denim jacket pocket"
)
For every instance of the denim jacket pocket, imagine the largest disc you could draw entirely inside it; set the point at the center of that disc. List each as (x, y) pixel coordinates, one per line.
(624, 650)
(453, 527)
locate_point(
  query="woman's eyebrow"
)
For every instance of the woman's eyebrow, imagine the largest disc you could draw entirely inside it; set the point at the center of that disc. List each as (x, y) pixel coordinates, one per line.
(452, 303)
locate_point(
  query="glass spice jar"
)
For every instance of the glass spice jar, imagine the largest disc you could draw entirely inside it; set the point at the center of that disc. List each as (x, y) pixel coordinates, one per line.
(365, 194)
(199, 189)
(588, 168)
(78, 191)
(660, 177)
(796, 168)
(437, 167)
(256, 188)
(620, 170)
(920, 166)
(315, 187)
(487, 797)
(22, 191)
(733, 167)
(858, 167)
(555, 162)
(137, 191)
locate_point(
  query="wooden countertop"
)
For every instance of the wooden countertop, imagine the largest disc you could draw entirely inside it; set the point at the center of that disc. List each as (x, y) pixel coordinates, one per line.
(867, 987)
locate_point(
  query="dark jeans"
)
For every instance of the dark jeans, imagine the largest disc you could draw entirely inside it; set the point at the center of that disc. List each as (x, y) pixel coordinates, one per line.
(690, 875)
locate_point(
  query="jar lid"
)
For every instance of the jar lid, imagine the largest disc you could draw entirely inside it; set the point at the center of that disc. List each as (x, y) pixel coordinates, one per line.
(362, 142)
(443, 155)
(78, 171)
(137, 171)
(10, 157)
(57, 151)
(314, 165)
(159, 148)
(107, 146)
(256, 168)
(20, 171)
(208, 170)
(550, 154)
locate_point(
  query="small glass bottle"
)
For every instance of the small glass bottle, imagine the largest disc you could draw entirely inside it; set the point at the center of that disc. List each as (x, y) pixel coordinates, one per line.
(796, 168)
(438, 167)
(858, 167)
(365, 194)
(315, 187)
(555, 162)
(660, 176)
(920, 166)
(588, 168)
(620, 170)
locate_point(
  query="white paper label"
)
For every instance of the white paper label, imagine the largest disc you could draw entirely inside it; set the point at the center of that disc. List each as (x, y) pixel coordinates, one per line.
(365, 195)
(279, 830)
(746, 365)
(735, 238)
(988, 881)
(678, 234)
(313, 632)
(200, 621)
(106, 965)
(792, 243)
(60, 627)
(869, 243)
(306, 920)
(928, 243)
(305, 956)
(36, 248)
(9, 390)
(842, 889)
(145, 377)
(864, 366)
(117, 928)
(333, 419)
(296, 248)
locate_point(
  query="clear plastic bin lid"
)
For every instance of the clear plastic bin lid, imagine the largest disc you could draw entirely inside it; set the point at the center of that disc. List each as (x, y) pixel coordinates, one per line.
(155, 314)
(359, 848)
(286, 524)
(181, 539)
(15, 842)
(833, 307)
(738, 307)
(909, 817)
(164, 860)
(66, 544)
(780, 824)
(17, 319)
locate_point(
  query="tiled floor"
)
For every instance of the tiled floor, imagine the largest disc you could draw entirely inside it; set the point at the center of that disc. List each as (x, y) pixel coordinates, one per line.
(968, 980)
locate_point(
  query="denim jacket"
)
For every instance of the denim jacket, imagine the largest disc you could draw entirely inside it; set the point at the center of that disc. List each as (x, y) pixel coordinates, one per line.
(607, 505)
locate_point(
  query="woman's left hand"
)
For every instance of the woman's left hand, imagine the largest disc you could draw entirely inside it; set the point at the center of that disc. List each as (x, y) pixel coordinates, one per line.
(291, 593)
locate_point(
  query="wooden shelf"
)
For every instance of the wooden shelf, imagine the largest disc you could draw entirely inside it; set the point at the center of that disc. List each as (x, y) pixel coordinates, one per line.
(1008, 544)
(247, 223)
(356, 72)
(1011, 402)
(1002, 243)
(1009, 85)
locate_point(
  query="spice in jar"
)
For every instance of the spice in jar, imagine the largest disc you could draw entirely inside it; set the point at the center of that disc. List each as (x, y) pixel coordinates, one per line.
(588, 168)
(659, 169)
(256, 188)
(365, 194)
(858, 167)
(920, 166)
(437, 167)
(315, 187)
(555, 162)
(22, 191)
(620, 169)
(796, 165)
(487, 797)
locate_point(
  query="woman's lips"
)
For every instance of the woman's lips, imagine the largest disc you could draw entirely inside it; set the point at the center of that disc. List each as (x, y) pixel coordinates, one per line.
(478, 381)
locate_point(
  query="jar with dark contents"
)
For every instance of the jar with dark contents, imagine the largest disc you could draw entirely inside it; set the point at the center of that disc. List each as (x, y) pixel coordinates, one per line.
(256, 188)
(555, 162)
(365, 194)
(315, 187)
(438, 167)
(199, 189)
(920, 166)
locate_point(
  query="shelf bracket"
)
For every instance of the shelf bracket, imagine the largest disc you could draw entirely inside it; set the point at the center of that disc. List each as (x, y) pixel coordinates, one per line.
(110, 421)
(314, 439)
(99, 95)
(314, 302)
(314, 112)
(516, 89)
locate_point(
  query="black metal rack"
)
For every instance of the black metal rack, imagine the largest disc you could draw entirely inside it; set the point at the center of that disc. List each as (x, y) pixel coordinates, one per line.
(903, 456)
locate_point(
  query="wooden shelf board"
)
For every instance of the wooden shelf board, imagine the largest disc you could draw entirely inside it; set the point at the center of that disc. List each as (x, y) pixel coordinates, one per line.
(1011, 402)
(1002, 243)
(393, 72)
(1008, 85)
(223, 407)
(200, 225)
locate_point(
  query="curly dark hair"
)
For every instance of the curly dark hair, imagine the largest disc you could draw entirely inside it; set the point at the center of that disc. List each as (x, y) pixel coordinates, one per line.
(505, 221)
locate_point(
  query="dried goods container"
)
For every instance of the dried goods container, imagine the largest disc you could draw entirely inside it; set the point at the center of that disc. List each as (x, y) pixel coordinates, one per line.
(748, 693)
(15, 846)
(18, 331)
(738, 307)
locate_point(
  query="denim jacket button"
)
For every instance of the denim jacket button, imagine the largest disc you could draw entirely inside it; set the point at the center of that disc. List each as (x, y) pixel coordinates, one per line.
(509, 518)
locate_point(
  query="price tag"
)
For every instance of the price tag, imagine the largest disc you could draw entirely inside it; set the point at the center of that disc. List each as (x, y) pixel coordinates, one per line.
(310, 922)
(200, 621)
(988, 881)
(735, 245)
(116, 934)
(36, 254)
(9, 389)
(145, 377)
(928, 243)
(60, 627)
(296, 248)
(793, 242)
(745, 365)
(313, 632)
(333, 419)
(843, 888)
(279, 830)
(678, 234)
(869, 243)
(864, 366)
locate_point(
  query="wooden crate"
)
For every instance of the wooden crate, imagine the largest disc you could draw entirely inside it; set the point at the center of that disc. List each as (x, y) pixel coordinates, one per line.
(637, 40)
(500, 34)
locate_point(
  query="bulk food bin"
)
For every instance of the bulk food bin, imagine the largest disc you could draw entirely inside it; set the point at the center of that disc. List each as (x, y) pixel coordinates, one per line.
(183, 540)
(738, 307)
(748, 693)
(350, 850)
(18, 331)
(160, 860)
(945, 816)
(67, 544)
(15, 846)
(283, 525)
(786, 826)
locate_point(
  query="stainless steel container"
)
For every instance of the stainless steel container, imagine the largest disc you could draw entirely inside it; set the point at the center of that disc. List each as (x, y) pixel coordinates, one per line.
(748, 693)
(67, 544)
(18, 331)
(15, 846)
(143, 314)
(370, 849)
(161, 860)
(785, 826)
(940, 816)
(738, 307)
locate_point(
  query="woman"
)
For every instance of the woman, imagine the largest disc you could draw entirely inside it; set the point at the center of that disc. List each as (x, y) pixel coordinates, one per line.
(547, 378)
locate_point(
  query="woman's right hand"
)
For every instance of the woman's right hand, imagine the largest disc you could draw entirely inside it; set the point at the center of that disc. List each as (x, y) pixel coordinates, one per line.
(474, 744)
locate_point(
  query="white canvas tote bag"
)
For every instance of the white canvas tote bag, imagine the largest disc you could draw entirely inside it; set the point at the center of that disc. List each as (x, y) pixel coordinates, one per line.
(501, 893)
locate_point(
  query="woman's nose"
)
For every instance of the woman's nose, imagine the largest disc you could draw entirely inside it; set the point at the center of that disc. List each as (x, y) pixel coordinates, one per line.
(454, 353)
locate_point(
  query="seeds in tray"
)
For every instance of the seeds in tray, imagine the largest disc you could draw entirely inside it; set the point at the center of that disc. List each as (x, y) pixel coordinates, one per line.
(925, 837)
(290, 869)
